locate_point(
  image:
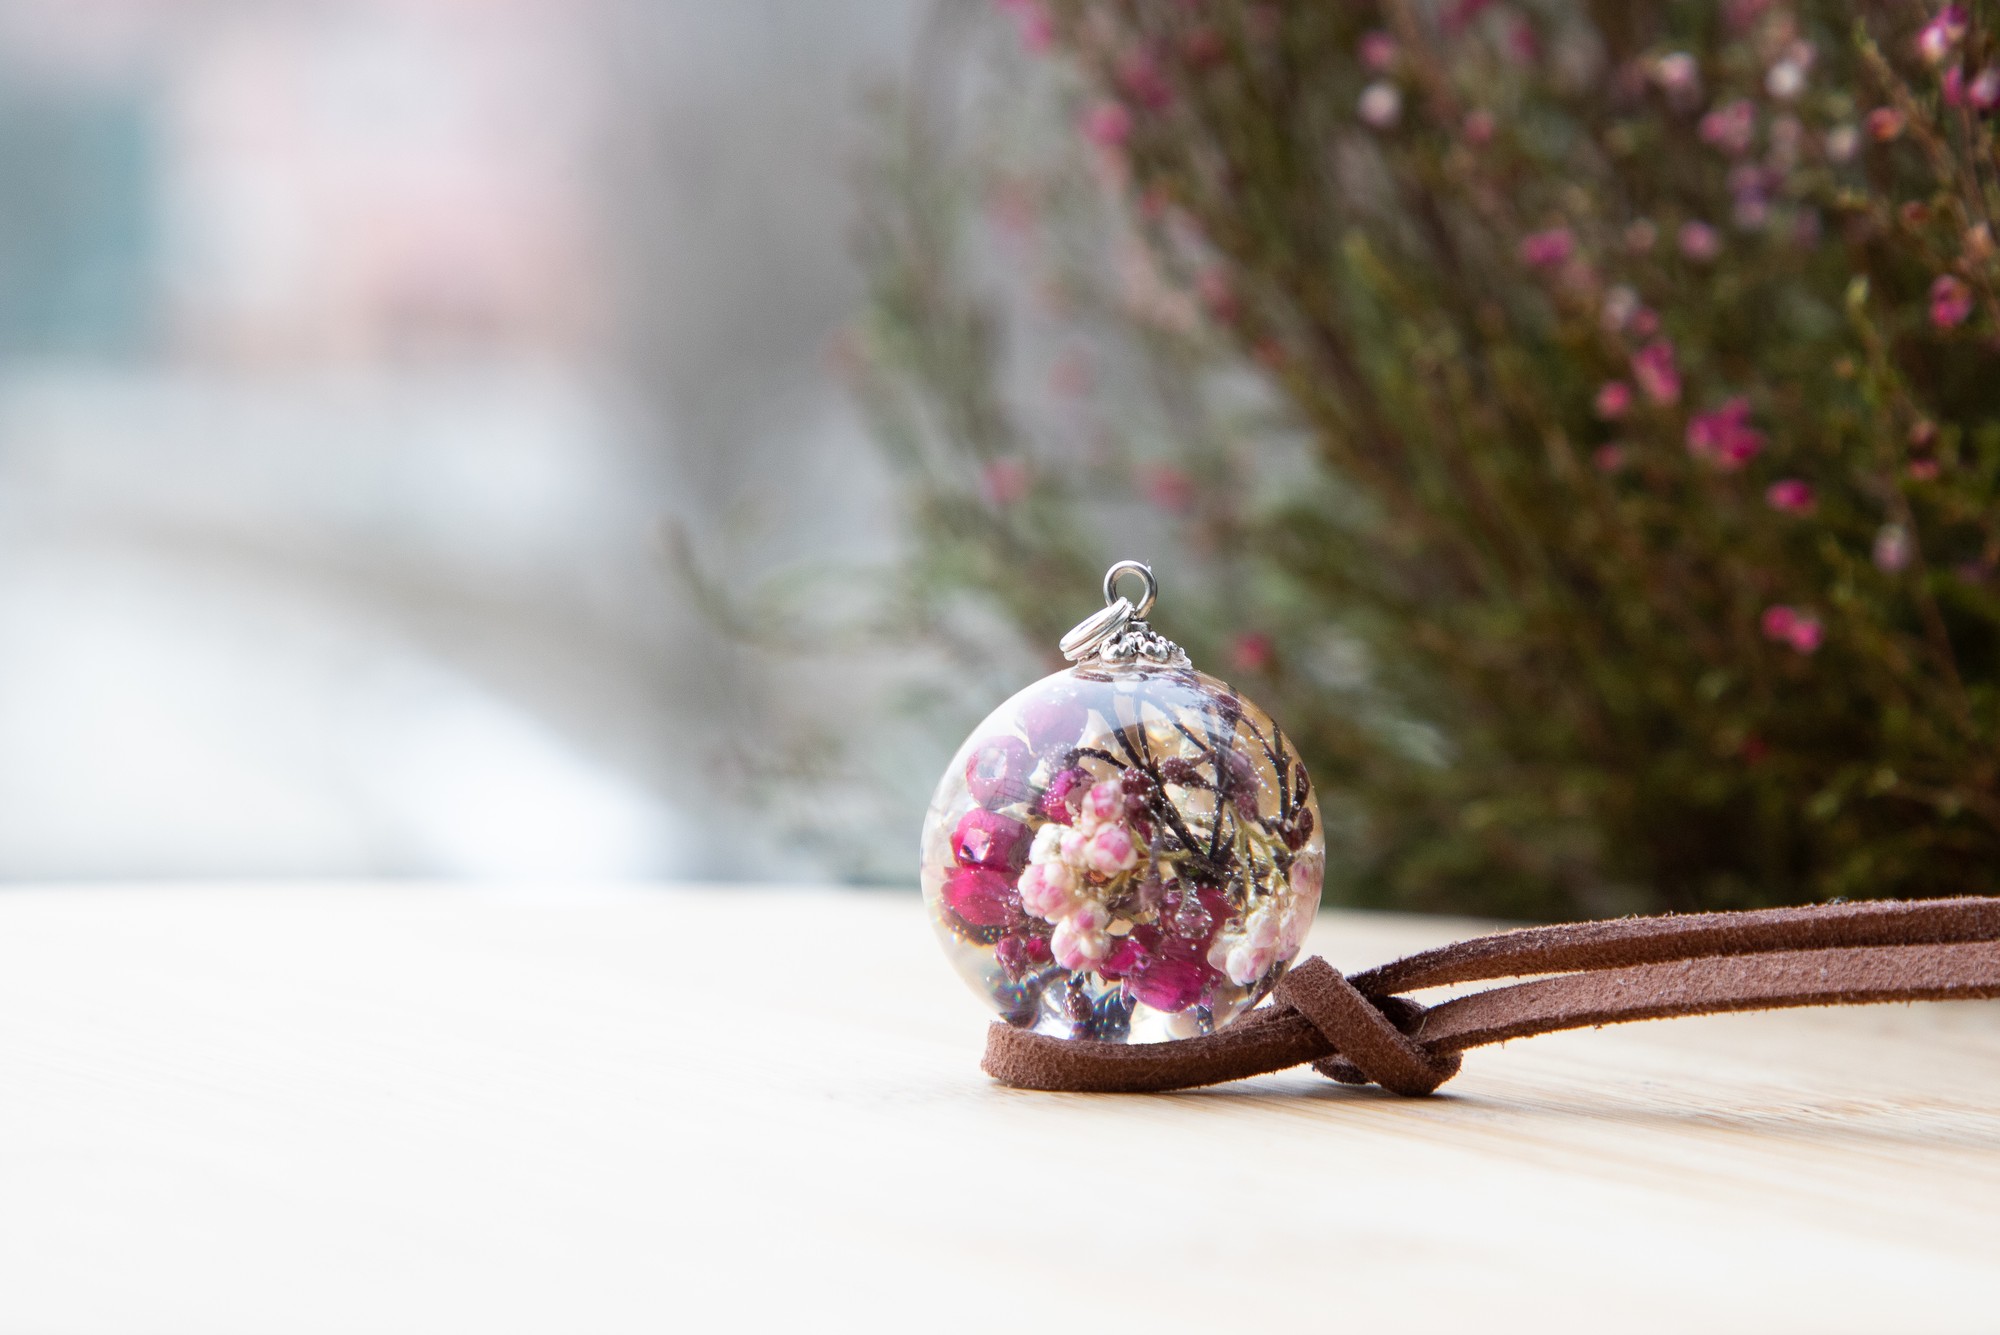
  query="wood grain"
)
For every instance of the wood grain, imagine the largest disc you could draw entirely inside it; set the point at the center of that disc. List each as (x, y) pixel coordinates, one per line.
(380, 1108)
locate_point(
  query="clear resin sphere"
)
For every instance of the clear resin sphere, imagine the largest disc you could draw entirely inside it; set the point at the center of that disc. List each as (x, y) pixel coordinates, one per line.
(1127, 852)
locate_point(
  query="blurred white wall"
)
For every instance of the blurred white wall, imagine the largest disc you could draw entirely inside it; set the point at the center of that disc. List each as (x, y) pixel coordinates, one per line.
(352, 356)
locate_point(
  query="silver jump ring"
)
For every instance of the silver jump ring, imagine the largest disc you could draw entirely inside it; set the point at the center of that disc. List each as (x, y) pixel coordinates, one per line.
(1145, 574)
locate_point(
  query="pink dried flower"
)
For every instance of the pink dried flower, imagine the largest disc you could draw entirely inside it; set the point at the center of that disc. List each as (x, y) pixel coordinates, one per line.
(1112, 850)
(1378, 50)
(1953, 86)
(1614, 400)
(1049, 889)
(1107, 124)
(1003, 482)
(1791, 496)
(987, 839)
(1104, 802)
(1380, 105)
(1699, 242)
(1654, 368)
(998, 771)
(1054, 722)
(1788, 625)
(1937, 38)
(1724, 437)
(1479, 127)
(981, 897)
(1731, 127)
(1951, 302)
(1080, 937)
(1892, 549)
(1547, 249)
(1884, 124)
(1059, 799)
(1677, 74)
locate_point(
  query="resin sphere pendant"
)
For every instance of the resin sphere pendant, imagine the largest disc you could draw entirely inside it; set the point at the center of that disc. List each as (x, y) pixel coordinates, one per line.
(1126, 851)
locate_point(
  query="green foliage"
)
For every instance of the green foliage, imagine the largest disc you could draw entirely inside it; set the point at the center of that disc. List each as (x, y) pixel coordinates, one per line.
(1579, 423)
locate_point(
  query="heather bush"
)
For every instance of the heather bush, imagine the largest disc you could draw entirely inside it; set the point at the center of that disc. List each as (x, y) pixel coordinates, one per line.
(1579, 423)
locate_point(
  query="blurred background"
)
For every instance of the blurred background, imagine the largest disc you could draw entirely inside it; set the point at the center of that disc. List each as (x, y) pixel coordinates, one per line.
(359, 360)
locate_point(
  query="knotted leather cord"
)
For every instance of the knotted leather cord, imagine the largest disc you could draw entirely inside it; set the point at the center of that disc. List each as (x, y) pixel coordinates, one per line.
(1359, 1030)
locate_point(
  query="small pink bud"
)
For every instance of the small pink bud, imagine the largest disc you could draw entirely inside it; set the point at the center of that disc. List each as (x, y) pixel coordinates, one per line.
(1951, 302)
(1614, 400)
(1378, 50)
(1107, 124)
(1885, 124)
(1700, 242)
(1791, 496)
(1654, 368)
(1547, 249)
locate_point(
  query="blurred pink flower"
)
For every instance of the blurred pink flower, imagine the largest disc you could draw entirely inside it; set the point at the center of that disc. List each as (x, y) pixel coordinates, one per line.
(1953, 86)
(1923, 470)
(1791, 496)
(1608, 458)
(1984, 92)
(1479, 128)
(1699, 242)
(1107, 124)
(1951, 302)
(1645, 322)
(1884, 124)
(1936, 39)
(1731, 127)
(1892, 548)
(1140, 76)
(1381, 104)
(1788, 625)
(1004, 482)
(1037, 29)
(1547, 249)
(1250, 651)
(1378, 50)
(1614, 400)
(1167, 487)
(1724, 436)
(1654, 368)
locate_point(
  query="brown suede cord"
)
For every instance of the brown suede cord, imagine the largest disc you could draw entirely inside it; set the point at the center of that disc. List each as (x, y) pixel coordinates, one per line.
(1357, 1030)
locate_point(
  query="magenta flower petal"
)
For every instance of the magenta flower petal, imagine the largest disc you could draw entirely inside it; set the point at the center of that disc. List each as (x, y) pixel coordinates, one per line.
(981, 897)
(995, 842)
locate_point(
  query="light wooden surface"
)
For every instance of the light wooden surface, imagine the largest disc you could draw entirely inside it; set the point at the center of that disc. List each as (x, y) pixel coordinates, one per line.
(276, 1109)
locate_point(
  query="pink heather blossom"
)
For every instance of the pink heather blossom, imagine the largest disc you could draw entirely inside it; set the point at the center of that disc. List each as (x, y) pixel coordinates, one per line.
(1547, 249)
(1884, 124)
(998, 771)
(1479, 127)
(1049, 890)
(1380, 105)
(1677, 74)
(1614, 400)
(1788, 625)
(1983, 94)
(1112, 851)
(1951, 302)
(1724, 437)
(1054, 721)
(1952, 85)
(1378, 50)
(1791, 496)
(1103, 803)
(1073, 846)
(1108, 125)
(1731, 127)
(1654, 368)
(1004, 482)
(1080, 938)
(1251, 651)
(1938, 37)
(1892, 549)
(1644, 323)
(1700, 242)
